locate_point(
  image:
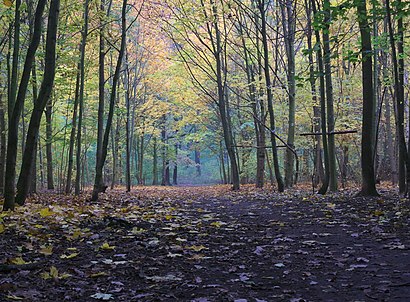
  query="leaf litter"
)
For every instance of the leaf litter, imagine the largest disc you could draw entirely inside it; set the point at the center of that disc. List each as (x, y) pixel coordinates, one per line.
(206, 244)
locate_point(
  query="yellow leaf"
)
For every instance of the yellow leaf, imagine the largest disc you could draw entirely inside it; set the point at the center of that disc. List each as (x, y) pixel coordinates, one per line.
(2, 228)
(378, 213)
(197, 248)
(65, 276)
(54, 272)
(76, 234)
(73, 255)
(106, 246)
(46, 212)
(18, 261)
(13, 297)
(8, 3)
(46, 250)
(169, 217)
(99, 274)
(136, 230)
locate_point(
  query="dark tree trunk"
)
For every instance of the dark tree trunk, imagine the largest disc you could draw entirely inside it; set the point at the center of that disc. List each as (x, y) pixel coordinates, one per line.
(329, 97)
(98, 173)
(49, 151)
(79, 163)
(175, 172)
(23, 183)
(197, 155)
(15, 62)
(279, 180)
(16, 107)
(399, 96)
(289, 27)
(368, 178)
(101, 93)
(325, 184)
(2, 144)
(155, 163)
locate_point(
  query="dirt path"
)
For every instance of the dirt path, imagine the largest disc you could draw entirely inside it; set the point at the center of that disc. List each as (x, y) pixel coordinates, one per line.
(208, 244)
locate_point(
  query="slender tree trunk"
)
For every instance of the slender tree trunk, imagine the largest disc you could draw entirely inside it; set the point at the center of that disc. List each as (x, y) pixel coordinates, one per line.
(33, 188)
(72, 135)
(329, 97)
(318, 166)
(175, 172)
(215, 36)
(368, 176)
(49, 151)
(279, 180)
(23, 183)
(399, 96)
(325, 184)
(81, 99)
(289, 27)
(155, 163)
(17, 105)
(101, 93)
(15, 62)
(127, 129)
(98, 173)
(2, 144)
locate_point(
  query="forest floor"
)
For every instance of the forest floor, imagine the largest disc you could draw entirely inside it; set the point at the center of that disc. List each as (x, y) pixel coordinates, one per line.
(207, 244)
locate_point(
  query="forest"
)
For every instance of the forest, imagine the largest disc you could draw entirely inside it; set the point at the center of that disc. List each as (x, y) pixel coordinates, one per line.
(206, 150)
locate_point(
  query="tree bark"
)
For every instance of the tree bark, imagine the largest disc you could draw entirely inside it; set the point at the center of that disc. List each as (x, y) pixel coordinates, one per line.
(329, 97)
(49, 151)
(81, 99)
(367, 163)
(43, 96)
(279, 180)
(98, 173)
(16, 107)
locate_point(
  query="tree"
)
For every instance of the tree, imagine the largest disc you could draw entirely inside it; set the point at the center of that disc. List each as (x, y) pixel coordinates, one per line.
(23, 183)
(98, 173)
(368, 176)
(16, 107)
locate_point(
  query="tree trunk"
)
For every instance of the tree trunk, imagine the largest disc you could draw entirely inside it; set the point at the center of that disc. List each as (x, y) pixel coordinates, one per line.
(2, 144)
(49, 152)
(329, 97)
(279, 179)
(15, 62)
(16, 107)
(43, 96)
(325, 184)
(175, 172)
(98, 173)
(81, 99)
(399, 96)
(101, 93)
(155, 163)
(367, 163)
(289, 27)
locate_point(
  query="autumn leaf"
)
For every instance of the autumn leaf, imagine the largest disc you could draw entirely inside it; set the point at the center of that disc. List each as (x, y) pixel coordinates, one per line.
(106, 246)
(18, 261)
(13, 297)
(73, 255)
(46, 250)
(46, 212)
(8, 3)
(197, 248)
(2, 228)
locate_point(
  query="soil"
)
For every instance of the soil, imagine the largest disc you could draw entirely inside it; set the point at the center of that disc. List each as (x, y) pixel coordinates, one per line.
(207, 244)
